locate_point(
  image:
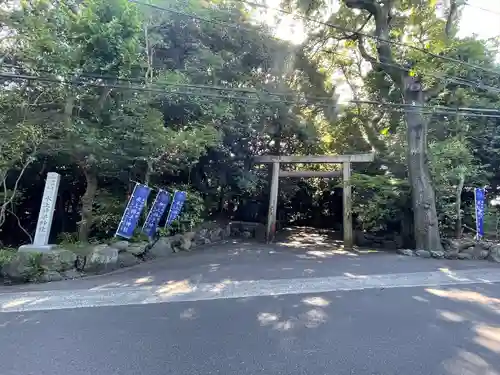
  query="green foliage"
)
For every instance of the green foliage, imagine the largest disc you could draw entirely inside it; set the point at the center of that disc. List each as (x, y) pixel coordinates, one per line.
(379, 201)
(6, 255)
(108, 210)
(93, 120)
(67, 238)
(193, 213)
(138, 236)
(35, 270)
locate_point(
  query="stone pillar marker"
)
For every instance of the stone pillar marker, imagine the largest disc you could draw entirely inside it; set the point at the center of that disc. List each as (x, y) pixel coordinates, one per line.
(45, 216)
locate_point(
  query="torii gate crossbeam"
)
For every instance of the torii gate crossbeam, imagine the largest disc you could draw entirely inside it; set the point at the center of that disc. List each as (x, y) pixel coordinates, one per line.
(345, 160)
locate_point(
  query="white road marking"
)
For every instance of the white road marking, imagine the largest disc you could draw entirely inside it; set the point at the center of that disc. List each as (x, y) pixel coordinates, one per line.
(184, 291)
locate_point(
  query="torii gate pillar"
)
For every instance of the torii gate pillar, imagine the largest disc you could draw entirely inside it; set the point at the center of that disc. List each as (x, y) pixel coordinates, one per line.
(345, 160)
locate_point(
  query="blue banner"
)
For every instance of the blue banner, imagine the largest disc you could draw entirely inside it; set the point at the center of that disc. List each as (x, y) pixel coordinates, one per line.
(133, 211)
(176, 206)
(479, 195)
(157, 210)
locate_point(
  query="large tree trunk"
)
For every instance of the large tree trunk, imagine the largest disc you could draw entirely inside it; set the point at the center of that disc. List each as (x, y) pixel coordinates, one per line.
(423, 196)
(87, 204)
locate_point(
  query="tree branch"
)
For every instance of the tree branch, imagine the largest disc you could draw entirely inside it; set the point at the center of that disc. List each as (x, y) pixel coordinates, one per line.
(450, 20)
(364, 53)
(451, 17)
(382, 16)
(19, 224)
(355, 34)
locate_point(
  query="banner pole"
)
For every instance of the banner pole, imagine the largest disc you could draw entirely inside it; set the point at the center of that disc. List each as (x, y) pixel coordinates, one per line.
(475, 213)
(151, 210)
(126, 209)
(170, 209)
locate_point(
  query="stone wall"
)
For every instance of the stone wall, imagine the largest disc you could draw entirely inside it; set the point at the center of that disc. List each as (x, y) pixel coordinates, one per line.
(464, 249)
(61, 263)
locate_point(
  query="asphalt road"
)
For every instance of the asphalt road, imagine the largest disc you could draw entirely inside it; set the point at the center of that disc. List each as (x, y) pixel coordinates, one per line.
(353, 326)
(452, 330)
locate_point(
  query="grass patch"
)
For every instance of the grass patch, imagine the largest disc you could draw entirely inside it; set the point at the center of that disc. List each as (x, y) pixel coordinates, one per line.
(6, 255)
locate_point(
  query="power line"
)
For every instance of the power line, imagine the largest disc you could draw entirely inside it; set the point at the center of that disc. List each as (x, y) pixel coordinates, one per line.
(483, 9)
(194, 16)
(449, 79)
(355, 32)
(246, 90)
(158, 90)
(435, 107)
(452, 79)
(397, 107)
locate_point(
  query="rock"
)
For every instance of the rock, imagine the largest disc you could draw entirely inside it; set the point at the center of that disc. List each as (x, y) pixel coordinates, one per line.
(487, 245)
(451, 254)
(476, 252)
(121, 245)
(437, 254)
(189, 236)
(494, 254)
(459, 244)
(20, 267)
(483, 254)
(423, 253)
(58, 260)
(71, 274)
(235, 231)
(407, 252)
(161, 248)
(50, 276)
(97, 248)
(200, 237)
(137, 249)
(176, 242)
(81, 261)
(185, 244)
(216, 235)
(127, 259)
(226, 232)
(103, 258)
(464, 256)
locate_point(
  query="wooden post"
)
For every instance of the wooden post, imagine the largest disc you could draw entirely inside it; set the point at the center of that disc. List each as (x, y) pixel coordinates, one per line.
(346, 161)
(273, 203)
(347, 203)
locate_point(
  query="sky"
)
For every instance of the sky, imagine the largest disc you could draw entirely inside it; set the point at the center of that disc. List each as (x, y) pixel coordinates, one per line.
(480, 17)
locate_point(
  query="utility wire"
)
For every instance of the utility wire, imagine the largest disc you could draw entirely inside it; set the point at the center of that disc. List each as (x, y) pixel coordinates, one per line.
(157, 90)
(448, 79)
(396, 107)
(195, 16)
(452, 79)
(444, 78)
(481, 8)
(246, 90)
(351, 31)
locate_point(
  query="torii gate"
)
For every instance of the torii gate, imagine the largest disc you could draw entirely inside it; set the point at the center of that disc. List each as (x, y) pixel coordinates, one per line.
(346, 161)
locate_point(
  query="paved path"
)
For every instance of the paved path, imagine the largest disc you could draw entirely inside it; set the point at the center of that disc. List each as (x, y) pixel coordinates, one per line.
(250, 309)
